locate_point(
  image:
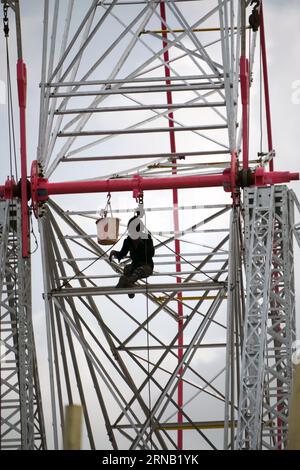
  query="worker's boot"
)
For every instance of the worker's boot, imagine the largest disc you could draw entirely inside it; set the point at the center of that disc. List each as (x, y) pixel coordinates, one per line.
(123, 283)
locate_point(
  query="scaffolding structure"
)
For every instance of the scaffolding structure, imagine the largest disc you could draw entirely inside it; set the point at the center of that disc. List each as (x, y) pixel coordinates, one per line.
(202, 357)
(22, 422)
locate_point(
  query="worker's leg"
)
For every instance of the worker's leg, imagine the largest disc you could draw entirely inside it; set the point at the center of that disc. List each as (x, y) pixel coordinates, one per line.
(123, 281)
(139, 273)
(130, 276)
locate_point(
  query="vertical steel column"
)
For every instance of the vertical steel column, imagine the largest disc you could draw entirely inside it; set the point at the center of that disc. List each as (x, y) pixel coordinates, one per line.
(22, 425)
(175, 220)
(281, 326)
(259, 227)
(25, 343)
(233, 332)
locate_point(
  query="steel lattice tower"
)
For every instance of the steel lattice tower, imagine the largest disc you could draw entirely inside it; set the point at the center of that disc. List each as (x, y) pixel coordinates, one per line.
(22, 423)
(202, 357)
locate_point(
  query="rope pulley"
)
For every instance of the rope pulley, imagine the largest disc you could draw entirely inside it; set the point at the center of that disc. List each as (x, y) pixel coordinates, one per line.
(107, 225)
(255, 17)
(139, 212)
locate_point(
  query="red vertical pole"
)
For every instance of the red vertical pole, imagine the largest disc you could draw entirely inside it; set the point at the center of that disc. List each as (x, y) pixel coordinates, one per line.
(176, 228)
(22, 90)
(266, 84)
(244, 77)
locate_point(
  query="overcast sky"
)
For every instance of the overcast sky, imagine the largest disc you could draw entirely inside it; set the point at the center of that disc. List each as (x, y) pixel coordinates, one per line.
(282, 19)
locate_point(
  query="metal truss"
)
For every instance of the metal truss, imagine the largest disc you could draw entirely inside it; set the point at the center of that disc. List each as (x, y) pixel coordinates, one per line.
(22, 425)
(211, 85)
(296, 227)
(158, 83)
(270, 319)
(234, 323)
(155, 82)
(168, 74)
(122, 348)
(281, 329)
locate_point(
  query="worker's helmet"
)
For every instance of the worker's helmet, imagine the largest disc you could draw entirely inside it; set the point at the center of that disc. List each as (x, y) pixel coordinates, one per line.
(136, 228)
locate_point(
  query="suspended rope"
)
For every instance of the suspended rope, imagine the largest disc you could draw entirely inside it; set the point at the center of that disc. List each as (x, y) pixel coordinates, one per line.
(141, 212)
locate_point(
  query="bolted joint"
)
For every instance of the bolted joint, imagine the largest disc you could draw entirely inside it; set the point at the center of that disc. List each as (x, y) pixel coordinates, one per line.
(245, 178)
(39, 191)
(137, 192)
(18, 190)
(9, 189)
(230, 178)
(227, 180)
(259, 176)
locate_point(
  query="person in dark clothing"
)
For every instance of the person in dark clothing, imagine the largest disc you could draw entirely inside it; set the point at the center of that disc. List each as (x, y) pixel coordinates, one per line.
(141, 251)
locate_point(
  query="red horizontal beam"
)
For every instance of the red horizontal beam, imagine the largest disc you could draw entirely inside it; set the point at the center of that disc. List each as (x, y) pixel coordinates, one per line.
(135, 183)
(41, 188)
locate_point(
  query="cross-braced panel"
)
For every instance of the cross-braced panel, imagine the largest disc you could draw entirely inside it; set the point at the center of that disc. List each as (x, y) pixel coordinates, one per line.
(281, 330)
(127, 351)
(259, 223)
(270, 319)
(154, 83)
(22, 424)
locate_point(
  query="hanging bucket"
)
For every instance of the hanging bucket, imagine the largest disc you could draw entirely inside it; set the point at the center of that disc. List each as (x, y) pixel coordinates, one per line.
(108, 230)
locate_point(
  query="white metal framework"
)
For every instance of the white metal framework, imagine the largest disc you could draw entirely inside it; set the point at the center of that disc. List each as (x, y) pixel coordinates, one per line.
(93, 106)
(270, 319)
(158, 83)
(22, 423)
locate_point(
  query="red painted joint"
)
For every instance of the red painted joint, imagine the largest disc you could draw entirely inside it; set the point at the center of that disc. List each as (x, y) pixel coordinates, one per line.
(230, 183)
(39, 192)
(274, 177)
(8, 191)
(137, 191)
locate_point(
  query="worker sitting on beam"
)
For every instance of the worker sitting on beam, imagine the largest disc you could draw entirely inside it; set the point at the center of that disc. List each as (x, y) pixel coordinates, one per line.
(139, 244)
